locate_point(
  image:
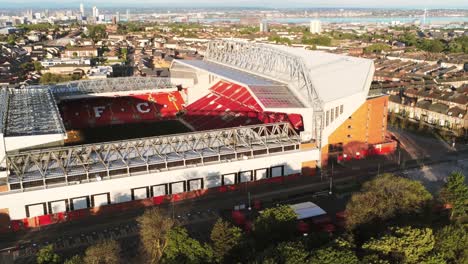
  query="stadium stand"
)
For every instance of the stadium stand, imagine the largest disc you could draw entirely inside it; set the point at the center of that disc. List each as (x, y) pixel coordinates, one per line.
(229, 105)
(135, 108)
(251, 114)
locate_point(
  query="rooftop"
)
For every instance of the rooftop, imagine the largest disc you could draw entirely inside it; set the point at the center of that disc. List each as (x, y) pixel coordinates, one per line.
(232, 74)
(32, 112)
(345, 74)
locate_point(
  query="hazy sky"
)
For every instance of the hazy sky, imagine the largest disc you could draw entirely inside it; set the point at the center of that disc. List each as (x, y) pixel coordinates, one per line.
(241, 3)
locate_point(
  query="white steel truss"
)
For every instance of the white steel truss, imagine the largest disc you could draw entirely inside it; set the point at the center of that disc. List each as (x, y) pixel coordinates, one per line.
(108, 85)
(273, 63)
(123, 158)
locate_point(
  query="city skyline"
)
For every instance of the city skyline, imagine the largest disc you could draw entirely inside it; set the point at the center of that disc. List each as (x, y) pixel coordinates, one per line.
(241, 3)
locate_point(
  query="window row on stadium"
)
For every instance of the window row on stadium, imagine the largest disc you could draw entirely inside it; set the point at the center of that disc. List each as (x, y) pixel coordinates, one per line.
(96, 200)
(333, 114)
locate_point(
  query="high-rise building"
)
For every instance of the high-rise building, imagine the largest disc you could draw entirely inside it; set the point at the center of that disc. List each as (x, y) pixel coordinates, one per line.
(117, 17)
(128, 15)
(264, 26)
(315, 27)
(82, 9)
(95, 12)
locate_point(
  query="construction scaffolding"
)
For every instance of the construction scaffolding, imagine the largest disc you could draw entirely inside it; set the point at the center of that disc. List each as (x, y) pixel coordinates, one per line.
(88, 163)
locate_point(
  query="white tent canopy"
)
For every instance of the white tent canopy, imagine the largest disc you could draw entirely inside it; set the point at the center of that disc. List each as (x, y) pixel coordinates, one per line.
(307, 210)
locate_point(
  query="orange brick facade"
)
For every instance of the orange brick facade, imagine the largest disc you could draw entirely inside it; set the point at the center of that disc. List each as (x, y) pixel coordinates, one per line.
(367, 126)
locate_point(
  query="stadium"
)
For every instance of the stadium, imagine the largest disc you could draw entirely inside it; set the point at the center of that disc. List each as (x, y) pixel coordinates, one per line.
(245, 113)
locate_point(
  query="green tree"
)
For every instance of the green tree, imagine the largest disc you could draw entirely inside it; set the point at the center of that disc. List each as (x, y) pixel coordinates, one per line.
(274, 225)
(455, 192)
(404, 245)
(37, 66)
(377, 48)
(285, 253)
(104, 252)
(97, 32)
(47, 255)
(383, 198)
(224, 237)
(182, 249)
(154, 233)
(317, 40)
(409, 39)
(452, 243)
(431, 45)
(77, 259)
(11, 39)
(332, 255)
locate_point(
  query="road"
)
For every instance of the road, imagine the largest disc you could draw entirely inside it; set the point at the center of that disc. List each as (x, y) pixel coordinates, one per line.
(199, 215)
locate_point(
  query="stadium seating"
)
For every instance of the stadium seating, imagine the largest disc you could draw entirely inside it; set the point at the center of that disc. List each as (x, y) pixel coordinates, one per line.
(102, 111)
(229, 105)
(226, 105)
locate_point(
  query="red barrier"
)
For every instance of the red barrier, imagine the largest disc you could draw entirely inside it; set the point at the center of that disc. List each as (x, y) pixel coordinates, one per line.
(74, 215)
(44, 220)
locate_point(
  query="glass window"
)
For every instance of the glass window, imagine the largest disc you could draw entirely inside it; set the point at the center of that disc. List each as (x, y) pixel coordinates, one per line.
(327, 118)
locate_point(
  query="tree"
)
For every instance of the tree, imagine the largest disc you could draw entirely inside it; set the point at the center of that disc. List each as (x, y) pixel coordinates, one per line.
(284, 253)
(383, 198)
(377, 48)
(183, 249)
(47, 255)
(451, 243)
(11, 39)
(97, 32)
(274, 225)
(154, 233)
(332, 255)
(224, 238)
(403, 244)
(37, 66)
(104, 252)
(455, 192)
(77, 259)
(317, 40)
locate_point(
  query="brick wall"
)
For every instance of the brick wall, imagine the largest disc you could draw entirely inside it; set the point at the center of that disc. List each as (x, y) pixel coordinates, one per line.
(366, 126)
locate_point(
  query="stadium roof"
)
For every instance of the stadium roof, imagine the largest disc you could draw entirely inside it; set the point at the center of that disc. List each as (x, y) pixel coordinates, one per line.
(276, 96)
(333, 76)
(229, 73)
(107, 85)
(270, 93)
(32, 112)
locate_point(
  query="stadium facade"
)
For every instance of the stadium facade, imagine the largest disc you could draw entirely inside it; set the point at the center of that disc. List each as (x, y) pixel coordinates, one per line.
(246, 112)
